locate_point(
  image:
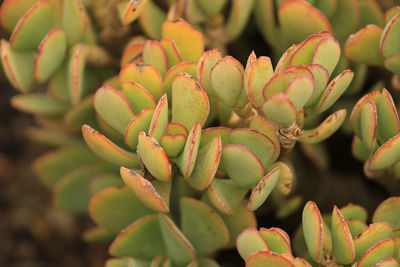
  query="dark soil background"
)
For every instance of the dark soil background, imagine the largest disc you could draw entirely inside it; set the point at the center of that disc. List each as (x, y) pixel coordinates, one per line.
(34, 233)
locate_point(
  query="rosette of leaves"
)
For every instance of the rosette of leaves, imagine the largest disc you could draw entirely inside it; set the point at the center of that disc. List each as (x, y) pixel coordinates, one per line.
(376, 127)
(344, 238)
(53, 48)
(376, 44)
(285, 22)
(299, 86)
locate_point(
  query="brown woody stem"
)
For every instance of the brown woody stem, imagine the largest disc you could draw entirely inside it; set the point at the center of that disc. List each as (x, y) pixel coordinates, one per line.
(288, 135)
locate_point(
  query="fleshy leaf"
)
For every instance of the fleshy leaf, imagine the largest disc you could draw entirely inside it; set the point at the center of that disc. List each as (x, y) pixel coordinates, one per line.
(327, 54)
(352, 211)
(154, 195)
(386, 155)
(18, 67)
(154, 157)
(75, 73)
(141, 122)
(242, 165)
(325, 129)
(151, 19)
(356, 226)
(260, 124)
(38, 103)
(142, 239)
(82, 113)
(249, 242)
(225, 195)
(342, 242)
(307, 20)
(189, 155)
(159, 122)
(380, 251)
(114, 108)
(390, 40)
(277, 239)
(188, 67)
(32, 27)
(129, 11)
(388, 119)
(368, 123)
(355, 115)
(370, 236)
(279, 109)
(190, 103)
(211, 232)
(226, 78)
(363, 46)
(173, 55)
(346, 18)
(262, 190)
(12, 10)
(393, 63)
(238, 17)
(260, 72)
(299, 91)
(74, 20)
(268, 258)
(313, 231)
(386, 212)
(304, 53)
(103, 181)
(154, 54)
(107, 150)
(173, 144)
(321, 78)
(138, 97)
(51, 53)
(132, 53)
(178, 247)
(189, 41)
(115, 208)
(206, 165)
(145, 75)
(204, 66)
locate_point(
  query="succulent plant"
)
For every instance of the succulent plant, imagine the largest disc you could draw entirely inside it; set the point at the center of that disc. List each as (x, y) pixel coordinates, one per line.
(376, 44)
(340, 239)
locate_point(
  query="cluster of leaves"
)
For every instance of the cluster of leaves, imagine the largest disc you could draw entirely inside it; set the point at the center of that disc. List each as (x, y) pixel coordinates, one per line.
(337, 239)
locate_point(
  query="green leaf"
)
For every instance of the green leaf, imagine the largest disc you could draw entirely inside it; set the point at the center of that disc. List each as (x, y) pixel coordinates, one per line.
(190, 104)
(189, 41)
(242, 165)
(356, 226)
(151, 19)
(261, 145)
(177, 245)
(12, 10)
(126, 262)
(284, 61)
(52, 166)
(32, 27)
(380, 251)
(75, 73)
(103, 181)
(328, 127)
(145, 75)
(267, 258)
(204, 67)
(51, 53)
(173, 55)
(342, 242)
(71, 192)
(334, 90)
(154, 195)
(210, 133)
(18, 67)
(226, 79)
(58, 86)
(132, 53)
(173, 144)
(262, 190)
(299, 91)
(355, 116)
(115, 208)
(141, 122)
(159, 121)
(187, 159)
(313, 231)
(277, 239)
(142, 239)
(257, 76)
(388, 119)
(304, 51)
(211, 7)
(393, 63)
(352, 211)
(373, 234)
(206, 165)
(386, 155)
(368, 123)
(321, 78)
(390, 40)
(154, 54)
(107, 150)
(285, 181)
(327, 54)
(188, 67)
(114, 108)
(38, 104)
(138, 97)
(154, 157)
(97, 234)
(390, 262)
(370, 13)
(82, 113)
(250, 241)
(363, 46)
(225, 195)
(298, 20)
(211, 232)
(386, 212)
(129, 11)
(260, 124)
(279, 109)
(74, 21)
(346, 18)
